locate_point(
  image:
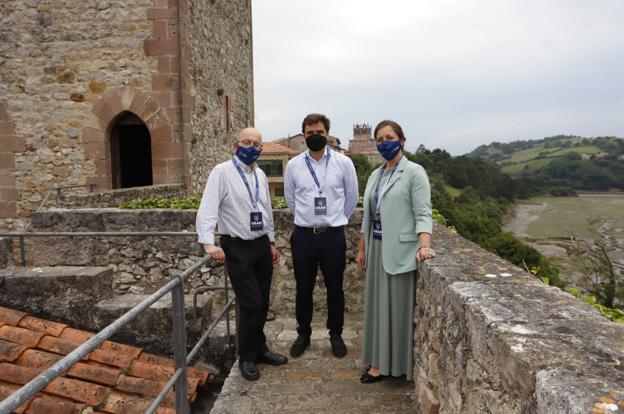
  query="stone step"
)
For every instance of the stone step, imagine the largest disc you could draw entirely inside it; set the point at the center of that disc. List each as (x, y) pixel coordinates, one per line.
(317, 382)
(66, 293)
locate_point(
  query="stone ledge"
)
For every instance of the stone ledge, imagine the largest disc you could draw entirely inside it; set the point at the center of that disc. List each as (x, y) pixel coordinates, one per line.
(489, 336)
(67, 293)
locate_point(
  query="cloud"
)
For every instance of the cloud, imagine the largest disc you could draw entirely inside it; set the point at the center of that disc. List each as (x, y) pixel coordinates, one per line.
(455, 74)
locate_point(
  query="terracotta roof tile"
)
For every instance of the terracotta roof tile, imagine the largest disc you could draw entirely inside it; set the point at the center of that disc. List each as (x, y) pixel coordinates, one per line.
(20, 335)
(47, 405)
(9, 351)
(272, 147)
(155, 372)
(95, 373)
(123, 403)
(82, 391)
(37, 359)
(8, 389)
(150, 371)
(132, 351)
(10, 316)
(143, 387)
(57, 345)
(111, 358)
(41, 325)
(97, 382)
(157, 360)
(76, 335)
(17, 374)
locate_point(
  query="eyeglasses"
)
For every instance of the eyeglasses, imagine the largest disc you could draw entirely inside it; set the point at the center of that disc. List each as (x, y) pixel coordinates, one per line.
(250, 143)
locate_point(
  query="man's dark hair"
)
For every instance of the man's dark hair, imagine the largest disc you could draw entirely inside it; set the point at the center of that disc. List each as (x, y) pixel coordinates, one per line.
(312, 119)
(395, 127)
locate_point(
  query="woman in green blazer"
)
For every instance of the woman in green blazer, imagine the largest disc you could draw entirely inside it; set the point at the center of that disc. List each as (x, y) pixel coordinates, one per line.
(396, 233)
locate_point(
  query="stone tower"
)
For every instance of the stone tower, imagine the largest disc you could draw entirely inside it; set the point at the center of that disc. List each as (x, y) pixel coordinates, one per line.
(364, 144)
(118, 93)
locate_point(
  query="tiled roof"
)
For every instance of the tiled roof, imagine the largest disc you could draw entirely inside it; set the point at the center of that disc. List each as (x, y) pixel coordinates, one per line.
(113, 378)
(275, 148)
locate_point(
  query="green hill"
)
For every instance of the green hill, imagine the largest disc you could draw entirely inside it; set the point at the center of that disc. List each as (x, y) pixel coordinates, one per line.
(560, 162)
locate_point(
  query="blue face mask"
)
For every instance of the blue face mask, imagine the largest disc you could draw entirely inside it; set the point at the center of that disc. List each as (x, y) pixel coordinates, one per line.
(389, 149)
(248, 155)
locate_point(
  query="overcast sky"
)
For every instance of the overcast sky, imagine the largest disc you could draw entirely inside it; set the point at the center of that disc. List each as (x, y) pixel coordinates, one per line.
(454, 73)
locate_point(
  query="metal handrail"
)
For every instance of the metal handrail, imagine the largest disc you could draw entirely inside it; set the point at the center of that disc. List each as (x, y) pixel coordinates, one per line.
(179, 379)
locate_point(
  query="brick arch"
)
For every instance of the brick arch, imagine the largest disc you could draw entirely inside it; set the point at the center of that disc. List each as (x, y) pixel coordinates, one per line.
(167, 155)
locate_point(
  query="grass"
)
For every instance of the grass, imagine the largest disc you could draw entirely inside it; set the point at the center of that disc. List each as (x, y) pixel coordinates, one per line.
(533, 165)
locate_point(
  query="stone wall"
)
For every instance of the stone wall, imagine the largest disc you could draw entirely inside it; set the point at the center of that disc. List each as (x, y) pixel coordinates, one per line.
(56, 60)
(219, 80)
(143, 264)
(490, 338)
(68, 73)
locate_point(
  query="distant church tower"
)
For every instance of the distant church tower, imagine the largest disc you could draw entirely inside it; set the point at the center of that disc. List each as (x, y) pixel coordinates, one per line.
(364, 144)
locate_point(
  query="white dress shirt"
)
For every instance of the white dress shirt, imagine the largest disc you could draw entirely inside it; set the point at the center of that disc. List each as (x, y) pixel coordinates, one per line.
(226, 207)
(339, 184)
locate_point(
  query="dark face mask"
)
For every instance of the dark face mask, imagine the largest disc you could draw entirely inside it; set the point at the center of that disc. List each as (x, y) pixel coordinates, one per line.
(316, 142)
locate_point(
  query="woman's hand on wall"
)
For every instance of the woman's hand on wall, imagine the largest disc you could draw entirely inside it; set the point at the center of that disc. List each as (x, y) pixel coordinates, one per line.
(425, 253)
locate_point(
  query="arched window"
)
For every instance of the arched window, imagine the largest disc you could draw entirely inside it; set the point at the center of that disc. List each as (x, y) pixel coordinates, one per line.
(131, 152)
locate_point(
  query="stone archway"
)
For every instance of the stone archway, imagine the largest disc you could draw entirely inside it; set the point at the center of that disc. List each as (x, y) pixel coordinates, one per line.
(167, 153)
(131, 152)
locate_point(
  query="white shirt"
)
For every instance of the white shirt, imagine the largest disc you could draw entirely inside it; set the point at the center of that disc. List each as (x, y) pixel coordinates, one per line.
(338, 182)
(226, 207)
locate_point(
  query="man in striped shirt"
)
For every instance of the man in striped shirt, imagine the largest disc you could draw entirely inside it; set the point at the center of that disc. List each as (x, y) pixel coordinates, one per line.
(237, 203)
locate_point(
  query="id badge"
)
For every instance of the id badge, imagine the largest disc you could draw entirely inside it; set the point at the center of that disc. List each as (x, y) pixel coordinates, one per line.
(255, 220)
(320, 206)
(377, 229)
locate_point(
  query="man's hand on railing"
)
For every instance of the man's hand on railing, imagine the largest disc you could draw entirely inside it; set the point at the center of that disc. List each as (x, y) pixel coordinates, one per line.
(215, 252)
(275, 254)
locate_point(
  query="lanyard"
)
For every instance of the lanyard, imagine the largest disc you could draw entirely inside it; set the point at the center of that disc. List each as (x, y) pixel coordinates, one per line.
(377, 201)
(254, 202)
(309, 164)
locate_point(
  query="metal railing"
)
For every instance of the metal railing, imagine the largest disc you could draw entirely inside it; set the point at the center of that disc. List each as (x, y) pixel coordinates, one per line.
(176, 287)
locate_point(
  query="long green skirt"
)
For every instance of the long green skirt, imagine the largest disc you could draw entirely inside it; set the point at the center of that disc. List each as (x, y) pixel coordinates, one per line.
(388, 317)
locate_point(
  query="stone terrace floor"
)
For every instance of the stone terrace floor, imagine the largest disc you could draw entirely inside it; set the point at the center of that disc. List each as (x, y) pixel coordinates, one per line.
(316, 382)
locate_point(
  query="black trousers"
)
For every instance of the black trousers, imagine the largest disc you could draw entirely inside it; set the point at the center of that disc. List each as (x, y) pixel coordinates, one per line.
(309, 251)
(250, 266)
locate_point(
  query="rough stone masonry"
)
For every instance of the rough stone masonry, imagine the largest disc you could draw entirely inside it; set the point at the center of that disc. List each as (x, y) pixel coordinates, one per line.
(69, 70)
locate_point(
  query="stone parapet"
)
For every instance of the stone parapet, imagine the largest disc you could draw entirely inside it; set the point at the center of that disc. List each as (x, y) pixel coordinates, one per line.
(491, 338)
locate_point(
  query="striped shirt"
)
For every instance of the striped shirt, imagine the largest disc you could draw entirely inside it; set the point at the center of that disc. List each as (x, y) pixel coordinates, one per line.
(226, 207)
(338, 179)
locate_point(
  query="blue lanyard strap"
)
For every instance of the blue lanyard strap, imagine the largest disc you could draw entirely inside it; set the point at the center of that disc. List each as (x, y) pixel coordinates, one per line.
(309, 164)
(254, 202)
(378, 184)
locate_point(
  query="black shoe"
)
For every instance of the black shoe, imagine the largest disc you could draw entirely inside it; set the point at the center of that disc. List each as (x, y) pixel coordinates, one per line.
(367, 378)
(272, 358)
(339, 349)
(300, 345)
(249, 370)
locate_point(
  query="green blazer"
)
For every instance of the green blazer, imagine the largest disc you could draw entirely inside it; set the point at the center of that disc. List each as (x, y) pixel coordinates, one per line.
(405, 212)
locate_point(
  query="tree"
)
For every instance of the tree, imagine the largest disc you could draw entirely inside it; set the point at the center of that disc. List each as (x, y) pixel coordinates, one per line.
(603, 278)
(363, 169)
